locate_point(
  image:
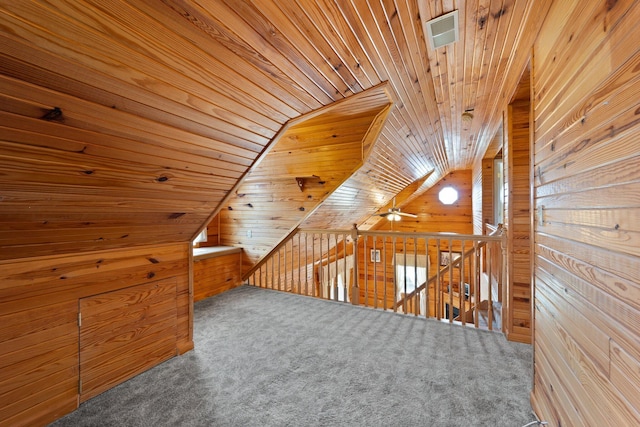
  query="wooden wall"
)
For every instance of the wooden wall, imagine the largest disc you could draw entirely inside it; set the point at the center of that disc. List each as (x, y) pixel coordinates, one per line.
(213, 233)
(39, 333)
(517, 214)
(215, 275)
(433, 216)
(477, 193)
(482, 195)
(483, 188)
(586, 81)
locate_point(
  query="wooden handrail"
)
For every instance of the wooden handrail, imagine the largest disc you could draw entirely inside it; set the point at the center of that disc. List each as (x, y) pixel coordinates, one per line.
(275, 249)
(433, 278)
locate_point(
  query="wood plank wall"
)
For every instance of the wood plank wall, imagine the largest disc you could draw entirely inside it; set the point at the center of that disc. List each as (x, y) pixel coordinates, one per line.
(117, 327)
(478, 182)
(482, 194)
(212, 276)
(213, 233)
(518, 316)
(39, 336)
(586, 81)
(483, 189)
(435, 217)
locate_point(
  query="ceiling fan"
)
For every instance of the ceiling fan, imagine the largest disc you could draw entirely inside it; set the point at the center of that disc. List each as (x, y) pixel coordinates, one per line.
(394, 214)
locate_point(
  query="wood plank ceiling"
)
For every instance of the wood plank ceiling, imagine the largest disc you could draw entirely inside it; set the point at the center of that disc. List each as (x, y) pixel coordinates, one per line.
(306, 163)
(128, 123)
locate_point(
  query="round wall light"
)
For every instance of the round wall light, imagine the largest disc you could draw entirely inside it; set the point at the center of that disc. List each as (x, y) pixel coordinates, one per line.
(448, 195)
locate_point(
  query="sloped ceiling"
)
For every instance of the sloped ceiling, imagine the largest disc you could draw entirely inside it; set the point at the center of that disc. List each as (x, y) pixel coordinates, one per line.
(128, 123)
(304, 165)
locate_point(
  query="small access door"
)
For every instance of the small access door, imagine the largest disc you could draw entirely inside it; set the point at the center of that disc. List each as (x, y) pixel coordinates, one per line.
(125, 332)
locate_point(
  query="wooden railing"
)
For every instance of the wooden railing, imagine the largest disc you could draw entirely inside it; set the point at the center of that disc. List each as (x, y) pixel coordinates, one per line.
(443, 276)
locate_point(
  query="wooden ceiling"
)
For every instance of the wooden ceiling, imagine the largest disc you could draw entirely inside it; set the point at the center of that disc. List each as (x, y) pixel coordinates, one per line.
(128, 123)
(305, 164)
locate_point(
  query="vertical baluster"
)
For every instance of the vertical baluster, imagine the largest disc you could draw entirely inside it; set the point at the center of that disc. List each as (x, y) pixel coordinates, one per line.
(313, 262)
(355, 288)
(299, 264)
(306, 265)
(416, 297)
(283, 265)
(395, 282)
(291, 280)
(427, 297)
(335, 279)
(491, 253)
(384, 272)
(294, 284)
(439, 302)
(375, 274)
(277, 266)
(321, 269)
(462, 286)
(270, 282)
(366, 271)
(346, 282)
(327, 279)
(404, 267)
(269, 277)
(490, 298)
(295, 280)
(477, 293)
(450, 281)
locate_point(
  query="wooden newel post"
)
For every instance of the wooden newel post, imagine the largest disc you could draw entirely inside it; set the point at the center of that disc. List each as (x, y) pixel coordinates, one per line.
(355, 294)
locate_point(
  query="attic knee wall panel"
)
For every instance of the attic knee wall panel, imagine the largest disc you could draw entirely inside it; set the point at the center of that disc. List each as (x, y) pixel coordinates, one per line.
(586, 81)
(125, 332)
(212, 276)
(39, 321)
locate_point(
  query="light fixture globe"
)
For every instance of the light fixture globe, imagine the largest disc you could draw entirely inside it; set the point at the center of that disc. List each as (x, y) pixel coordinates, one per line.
(448, 195)
(393, 217)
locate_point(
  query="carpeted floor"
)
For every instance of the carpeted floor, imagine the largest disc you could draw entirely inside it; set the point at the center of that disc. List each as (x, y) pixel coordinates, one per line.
(266, 358)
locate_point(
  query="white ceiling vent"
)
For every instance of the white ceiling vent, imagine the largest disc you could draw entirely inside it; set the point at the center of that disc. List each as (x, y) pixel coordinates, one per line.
(443, 30)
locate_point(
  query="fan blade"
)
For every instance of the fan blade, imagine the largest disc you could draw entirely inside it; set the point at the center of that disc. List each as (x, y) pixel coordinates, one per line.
(410, 215)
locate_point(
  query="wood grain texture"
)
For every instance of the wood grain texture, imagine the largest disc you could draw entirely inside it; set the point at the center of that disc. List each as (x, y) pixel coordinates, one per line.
(310, 159)
(517, 211)
(587, 333)
(129, 125)
(125, 332)
(215, 275)
(39, 363)
(159, 109)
